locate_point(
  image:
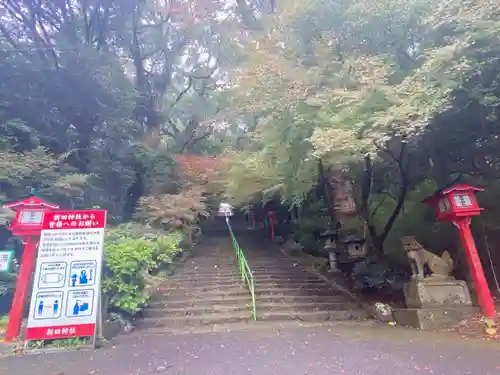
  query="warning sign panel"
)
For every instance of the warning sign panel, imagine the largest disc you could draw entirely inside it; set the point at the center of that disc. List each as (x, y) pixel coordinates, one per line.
(67, 277)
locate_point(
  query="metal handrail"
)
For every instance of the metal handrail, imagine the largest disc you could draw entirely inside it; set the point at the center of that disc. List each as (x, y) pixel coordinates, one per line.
(246, 272)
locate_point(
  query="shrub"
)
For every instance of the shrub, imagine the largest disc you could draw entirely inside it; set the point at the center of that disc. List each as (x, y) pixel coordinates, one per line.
(371, 275)
(167, 247)
(129, 262)
(173, 211)
(7, 288)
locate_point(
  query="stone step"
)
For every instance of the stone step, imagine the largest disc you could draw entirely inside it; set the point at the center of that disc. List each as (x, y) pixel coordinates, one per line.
(237, 317)
(254, 267)
(252, 262)
(245, 298)
(221, 287)
(215, 262)
(291, 275)
(204, 286)
(307, 290)
(231, 294)
(263, 325)
(190, 321)
(262, 267)
(281, 271)
(312, 316)
(208, 308)
(237, 276)
(204, 276)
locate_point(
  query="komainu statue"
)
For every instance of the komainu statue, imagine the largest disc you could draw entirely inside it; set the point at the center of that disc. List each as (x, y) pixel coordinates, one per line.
(441, 267)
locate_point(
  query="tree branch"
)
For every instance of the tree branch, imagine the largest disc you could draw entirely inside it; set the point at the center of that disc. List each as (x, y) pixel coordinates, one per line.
(192, 140)
(181, 94)
(247, 15)
(374, 212)
(403, 191)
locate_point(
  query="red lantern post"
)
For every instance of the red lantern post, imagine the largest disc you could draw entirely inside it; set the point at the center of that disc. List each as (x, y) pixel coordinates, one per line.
(27, 224)
(271, 215)
(458, 204)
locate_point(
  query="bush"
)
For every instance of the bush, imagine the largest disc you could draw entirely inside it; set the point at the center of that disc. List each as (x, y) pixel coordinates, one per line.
(129, 262)
(7, 288)
(371, 275)
(167, 248)
(308, 235)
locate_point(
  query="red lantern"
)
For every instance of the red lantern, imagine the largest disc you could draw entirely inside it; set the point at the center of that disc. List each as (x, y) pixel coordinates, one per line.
(27, 224)
(458, 204)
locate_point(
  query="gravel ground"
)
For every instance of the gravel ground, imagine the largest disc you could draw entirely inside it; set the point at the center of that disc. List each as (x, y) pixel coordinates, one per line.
(287, 351)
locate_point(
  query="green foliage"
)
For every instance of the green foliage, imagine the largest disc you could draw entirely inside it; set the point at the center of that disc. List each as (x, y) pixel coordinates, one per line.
(4, 320)
(130, 259)
(173, 211)
(72, 343)
(128, 262)
(376, 275)
(84, 119)
(312, 221)
(7, 282)
(167, 247)
(338, 80)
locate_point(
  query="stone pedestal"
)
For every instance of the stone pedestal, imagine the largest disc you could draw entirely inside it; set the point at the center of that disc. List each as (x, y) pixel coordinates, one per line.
(432, 292)
(435, 303)
(434, 318)
(332, 258)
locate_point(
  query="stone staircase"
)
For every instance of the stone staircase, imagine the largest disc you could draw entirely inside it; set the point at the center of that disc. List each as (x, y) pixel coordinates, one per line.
(286, 291)
(207, 290)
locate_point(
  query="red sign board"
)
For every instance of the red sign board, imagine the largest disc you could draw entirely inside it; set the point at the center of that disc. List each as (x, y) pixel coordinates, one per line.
(60, 332)
(74, 219)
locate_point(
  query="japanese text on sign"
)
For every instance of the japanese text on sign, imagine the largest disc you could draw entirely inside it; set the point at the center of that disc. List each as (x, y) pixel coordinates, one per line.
(65, 243)
(462, 200)
(66, 221)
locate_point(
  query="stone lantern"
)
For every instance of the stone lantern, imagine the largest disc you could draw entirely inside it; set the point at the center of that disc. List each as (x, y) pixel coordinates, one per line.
(331, 237)
(354, 247)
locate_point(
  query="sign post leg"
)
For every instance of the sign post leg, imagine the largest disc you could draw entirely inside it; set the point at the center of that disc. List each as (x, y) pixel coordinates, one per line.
(22, 289)
(482, 290)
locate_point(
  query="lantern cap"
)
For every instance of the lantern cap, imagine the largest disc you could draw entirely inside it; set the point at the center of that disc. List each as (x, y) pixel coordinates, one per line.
(30, 202)
(354, 238)
(329, 232)
(450, 189)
